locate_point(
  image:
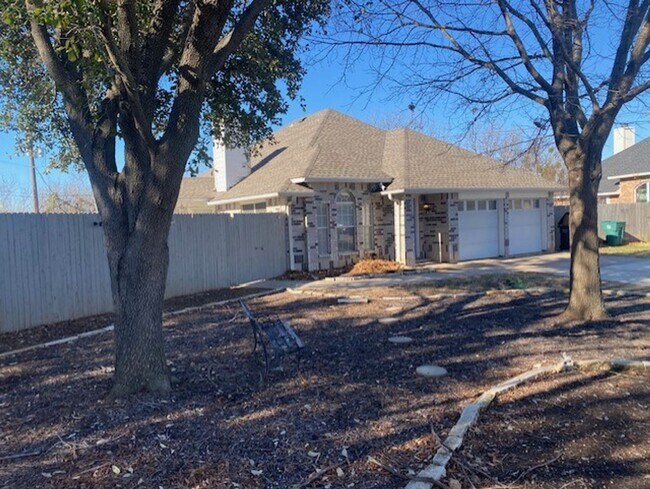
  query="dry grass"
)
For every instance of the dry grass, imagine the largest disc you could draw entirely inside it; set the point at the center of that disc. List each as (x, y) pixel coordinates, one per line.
(641, 250)
(491, 281)
(375, 265)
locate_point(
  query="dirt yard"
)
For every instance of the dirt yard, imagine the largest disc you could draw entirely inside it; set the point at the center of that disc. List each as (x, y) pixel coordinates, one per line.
(353, 395)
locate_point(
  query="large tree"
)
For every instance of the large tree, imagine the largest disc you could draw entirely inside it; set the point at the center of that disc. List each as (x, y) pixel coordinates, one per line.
(145, 79)
(574, 64)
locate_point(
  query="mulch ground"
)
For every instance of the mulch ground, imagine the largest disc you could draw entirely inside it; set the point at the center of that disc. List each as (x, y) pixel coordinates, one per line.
(48, 332)
(352, 396)
(574, 431)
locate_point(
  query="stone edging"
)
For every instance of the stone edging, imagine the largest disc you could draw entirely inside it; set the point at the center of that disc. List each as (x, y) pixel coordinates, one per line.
(110, 327)
(452, 295)
(437, 469)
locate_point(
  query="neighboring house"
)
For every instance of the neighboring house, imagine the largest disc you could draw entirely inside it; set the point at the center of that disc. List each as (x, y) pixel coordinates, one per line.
(195, 193)
(626, 174)
(351, 190)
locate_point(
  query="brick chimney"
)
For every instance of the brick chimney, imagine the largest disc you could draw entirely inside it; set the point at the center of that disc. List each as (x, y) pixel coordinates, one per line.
(230, 166)
(623, 137)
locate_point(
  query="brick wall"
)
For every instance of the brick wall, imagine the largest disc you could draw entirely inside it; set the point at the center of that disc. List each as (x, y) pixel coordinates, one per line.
(627, 189)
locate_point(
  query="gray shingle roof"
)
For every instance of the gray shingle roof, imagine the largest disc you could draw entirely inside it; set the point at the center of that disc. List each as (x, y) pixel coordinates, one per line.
(631, 161)
(329, 145)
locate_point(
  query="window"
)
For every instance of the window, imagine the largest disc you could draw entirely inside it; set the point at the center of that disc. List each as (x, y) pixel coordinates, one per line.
(471, 205)
(461, 206)
(516, 204)
(527, 204)
(254, 208)
(642, 193)
(492, 205)
(536, 203)
(481, 205)
(346, 221)
(323, 227)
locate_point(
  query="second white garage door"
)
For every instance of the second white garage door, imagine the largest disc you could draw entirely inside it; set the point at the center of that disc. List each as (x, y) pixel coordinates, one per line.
(478, 229)
(525, 226)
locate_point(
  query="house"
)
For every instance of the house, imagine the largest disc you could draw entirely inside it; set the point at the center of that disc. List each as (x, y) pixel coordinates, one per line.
(626, 174)
(195, 193)
(351, 190)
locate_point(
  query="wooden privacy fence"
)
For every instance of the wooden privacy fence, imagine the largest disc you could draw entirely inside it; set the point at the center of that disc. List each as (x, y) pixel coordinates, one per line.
(53, 267)
(635, 216)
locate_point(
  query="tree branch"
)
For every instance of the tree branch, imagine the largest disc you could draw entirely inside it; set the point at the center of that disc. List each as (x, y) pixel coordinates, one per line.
(129, 83)
(68, 83)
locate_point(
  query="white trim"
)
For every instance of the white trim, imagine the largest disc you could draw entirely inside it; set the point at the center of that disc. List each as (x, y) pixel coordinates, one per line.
(647, 186)
(603, 193)
(416, 191)
(377, 179)
(629, 175)
(256, 198)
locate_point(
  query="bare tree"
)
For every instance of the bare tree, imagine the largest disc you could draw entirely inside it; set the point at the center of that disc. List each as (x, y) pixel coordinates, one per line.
(73, 196)
(537, 155)
(13, 197)
(570, 65)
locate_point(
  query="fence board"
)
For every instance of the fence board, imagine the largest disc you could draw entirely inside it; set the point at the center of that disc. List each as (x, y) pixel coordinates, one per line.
(635, 216)
(54, 268)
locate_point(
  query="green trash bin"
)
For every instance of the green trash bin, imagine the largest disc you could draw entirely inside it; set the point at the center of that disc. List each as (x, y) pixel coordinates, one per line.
(614, 232)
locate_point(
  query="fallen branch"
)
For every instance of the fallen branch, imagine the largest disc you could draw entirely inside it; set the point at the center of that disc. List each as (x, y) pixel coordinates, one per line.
(535, 467)
(318, 474)
(20, 455)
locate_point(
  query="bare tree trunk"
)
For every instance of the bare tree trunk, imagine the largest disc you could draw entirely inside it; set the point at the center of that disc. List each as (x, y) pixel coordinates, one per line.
(586, 300)
(139, 275)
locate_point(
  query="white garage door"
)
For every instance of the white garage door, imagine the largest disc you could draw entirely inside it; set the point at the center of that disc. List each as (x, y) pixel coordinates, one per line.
(478, 229)
(525, 226)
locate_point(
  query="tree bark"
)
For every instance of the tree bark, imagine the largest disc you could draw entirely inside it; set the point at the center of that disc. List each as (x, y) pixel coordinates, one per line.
(139, 275)
(585, 300)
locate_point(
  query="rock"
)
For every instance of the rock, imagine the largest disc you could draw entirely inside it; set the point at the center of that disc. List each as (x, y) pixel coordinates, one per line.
(352, 300)
(431, 371)
(388, 320)
(400, 340)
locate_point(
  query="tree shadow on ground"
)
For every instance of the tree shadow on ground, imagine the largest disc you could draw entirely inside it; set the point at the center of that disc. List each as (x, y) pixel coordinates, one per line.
(225, 422)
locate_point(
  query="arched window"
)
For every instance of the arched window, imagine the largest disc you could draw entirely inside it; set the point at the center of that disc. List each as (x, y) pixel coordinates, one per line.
(346, 221)
(642, 192)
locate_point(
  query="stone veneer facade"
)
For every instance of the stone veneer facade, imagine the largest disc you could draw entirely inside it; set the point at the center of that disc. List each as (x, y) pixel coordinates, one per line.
(386, 228)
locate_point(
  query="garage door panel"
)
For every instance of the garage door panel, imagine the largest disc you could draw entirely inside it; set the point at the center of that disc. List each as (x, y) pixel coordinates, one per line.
(525, 230)
(478, 234)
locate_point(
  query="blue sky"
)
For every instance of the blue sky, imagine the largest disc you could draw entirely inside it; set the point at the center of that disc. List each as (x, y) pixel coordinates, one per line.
(323, 87)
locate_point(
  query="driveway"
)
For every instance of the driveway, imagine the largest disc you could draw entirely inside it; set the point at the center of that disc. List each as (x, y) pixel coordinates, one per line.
(613, 268)
(623, 269)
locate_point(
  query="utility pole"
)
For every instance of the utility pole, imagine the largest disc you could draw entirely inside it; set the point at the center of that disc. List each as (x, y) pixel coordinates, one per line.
(32, 167)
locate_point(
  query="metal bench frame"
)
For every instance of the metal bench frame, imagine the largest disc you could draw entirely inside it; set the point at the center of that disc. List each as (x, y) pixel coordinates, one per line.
(273, 334)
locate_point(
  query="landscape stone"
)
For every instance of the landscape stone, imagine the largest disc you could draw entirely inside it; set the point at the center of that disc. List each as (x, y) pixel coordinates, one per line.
(388, 320)
(400, 340)
(431, 371)
(352, 300)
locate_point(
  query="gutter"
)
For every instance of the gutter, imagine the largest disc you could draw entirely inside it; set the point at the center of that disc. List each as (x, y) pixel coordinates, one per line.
(629, 175)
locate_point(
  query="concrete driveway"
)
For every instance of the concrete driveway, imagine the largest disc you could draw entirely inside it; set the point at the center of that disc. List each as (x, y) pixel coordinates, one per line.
(623, 269)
